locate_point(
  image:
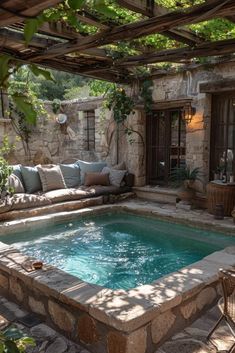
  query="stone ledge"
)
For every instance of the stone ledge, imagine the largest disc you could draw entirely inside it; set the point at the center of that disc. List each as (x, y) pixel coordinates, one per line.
(149, 210)
(59, 207)
(123, 310)
(157, 190)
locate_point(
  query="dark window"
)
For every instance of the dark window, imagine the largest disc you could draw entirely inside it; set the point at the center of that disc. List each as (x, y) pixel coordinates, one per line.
(166, 135)
(90, 130)
(223, 134)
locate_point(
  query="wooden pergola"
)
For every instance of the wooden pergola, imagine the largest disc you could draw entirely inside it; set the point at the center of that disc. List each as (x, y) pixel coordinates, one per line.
(58, 46)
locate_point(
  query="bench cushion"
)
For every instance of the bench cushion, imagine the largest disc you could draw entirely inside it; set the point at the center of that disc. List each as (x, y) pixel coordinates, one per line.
(67, 195)
(22, 201)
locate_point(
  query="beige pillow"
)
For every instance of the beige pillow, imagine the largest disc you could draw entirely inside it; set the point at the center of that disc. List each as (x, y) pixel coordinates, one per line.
(96, 179)
(15, 184)
(51, 177)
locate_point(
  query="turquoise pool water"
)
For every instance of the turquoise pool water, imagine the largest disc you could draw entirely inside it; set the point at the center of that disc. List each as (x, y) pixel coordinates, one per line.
(119, 250)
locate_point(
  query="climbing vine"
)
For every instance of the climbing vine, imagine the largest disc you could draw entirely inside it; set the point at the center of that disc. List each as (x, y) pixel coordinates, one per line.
(5, 169)
(120, 103)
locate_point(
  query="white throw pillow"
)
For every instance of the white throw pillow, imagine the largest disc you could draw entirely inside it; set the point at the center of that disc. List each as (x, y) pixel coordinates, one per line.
(115, 176)
(15, 183)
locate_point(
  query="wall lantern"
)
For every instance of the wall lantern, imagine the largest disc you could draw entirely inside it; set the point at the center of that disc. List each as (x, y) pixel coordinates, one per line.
(188, 112)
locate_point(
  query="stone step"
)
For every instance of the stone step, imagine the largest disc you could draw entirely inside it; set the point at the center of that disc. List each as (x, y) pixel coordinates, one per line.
(156, 194)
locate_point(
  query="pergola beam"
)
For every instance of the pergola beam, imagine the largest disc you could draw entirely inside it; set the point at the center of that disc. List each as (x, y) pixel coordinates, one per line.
(151, 9)
(217, 48)
(210, 9)
(30, 8)
(13, 36)
(71, 65)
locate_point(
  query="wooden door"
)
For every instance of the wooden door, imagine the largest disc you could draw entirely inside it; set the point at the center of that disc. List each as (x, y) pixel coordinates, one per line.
(165, 144)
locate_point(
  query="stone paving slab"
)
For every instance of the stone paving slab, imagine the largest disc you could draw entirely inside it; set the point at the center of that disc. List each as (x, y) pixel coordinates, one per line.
(47, 339)
(193, 338)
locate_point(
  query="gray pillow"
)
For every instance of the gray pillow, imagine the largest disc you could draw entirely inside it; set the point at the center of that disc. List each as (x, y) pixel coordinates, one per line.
(17, 171)
(90, 167)
(51, 177)
(31, 179)
(71, 174)
(115, 176)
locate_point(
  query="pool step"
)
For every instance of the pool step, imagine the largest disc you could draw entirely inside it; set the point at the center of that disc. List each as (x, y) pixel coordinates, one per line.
(166, 195)
(156, 193)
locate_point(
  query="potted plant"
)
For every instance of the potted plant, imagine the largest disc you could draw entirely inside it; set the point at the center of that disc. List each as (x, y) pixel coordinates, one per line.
(184, 178)
(217, 173)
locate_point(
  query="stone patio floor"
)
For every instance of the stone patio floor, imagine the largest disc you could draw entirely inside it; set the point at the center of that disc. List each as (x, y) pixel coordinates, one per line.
(190, 340)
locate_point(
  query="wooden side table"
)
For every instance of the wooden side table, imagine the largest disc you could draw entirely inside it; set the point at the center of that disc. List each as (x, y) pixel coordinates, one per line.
(220, 193)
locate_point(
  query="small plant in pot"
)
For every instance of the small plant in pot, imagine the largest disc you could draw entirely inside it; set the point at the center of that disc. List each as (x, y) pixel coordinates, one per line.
(184, 178)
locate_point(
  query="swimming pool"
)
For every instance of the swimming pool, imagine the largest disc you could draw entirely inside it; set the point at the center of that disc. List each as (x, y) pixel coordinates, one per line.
(117, 250)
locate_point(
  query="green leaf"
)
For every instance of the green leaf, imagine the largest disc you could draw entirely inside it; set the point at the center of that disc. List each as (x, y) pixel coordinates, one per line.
(26, 108)
(28, 341)
(41, 72)
(13, 332)
(4, 65)
(11, 347)
(102, 8)
(72, 20)
(2, 347)
(75, 4)
(30, 28)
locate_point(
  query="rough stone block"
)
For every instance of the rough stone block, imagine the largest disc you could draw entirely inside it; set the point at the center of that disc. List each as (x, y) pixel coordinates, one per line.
(36, 306)
(61, 317)
(87, 330)
(205, 297)
(132, 343)
(161, 326)
(4, 282)
(188, 309)
(16, 289)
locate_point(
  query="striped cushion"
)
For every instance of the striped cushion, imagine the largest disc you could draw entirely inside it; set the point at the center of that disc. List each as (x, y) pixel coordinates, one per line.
(51, 177)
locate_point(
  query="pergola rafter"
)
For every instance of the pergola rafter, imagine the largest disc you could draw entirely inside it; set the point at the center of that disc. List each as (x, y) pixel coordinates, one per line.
(58, 46)
(151, 10)
(13, 11)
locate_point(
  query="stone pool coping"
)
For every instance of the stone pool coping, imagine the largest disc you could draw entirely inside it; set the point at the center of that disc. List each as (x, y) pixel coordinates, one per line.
(164, 306)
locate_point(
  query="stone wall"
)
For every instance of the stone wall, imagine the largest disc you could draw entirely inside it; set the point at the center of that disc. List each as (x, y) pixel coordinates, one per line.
(51, 142)
(187, 85)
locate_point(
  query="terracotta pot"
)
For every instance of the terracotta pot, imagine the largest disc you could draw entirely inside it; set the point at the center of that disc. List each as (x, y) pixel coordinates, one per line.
(185, 193)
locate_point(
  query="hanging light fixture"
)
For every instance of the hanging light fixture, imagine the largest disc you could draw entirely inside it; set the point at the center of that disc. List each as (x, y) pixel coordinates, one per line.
(188, 112)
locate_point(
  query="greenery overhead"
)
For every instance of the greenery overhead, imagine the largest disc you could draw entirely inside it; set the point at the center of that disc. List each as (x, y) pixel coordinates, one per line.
(27, 84)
